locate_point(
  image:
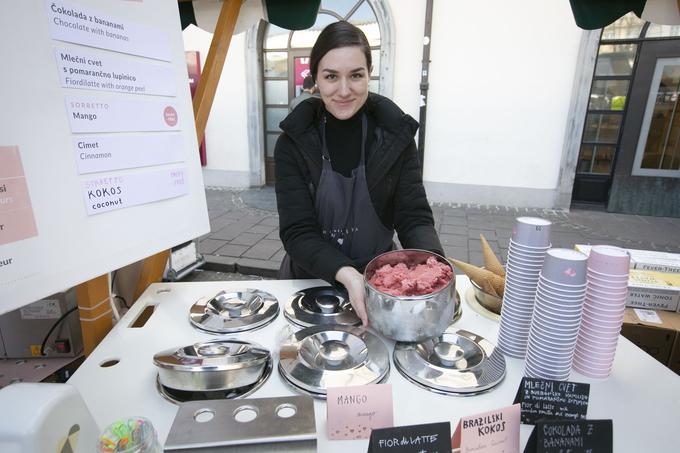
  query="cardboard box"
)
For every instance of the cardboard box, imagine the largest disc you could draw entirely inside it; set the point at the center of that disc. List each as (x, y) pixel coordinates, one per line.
(646, 259)
(674, 361)
(653, 290)
(655, 332)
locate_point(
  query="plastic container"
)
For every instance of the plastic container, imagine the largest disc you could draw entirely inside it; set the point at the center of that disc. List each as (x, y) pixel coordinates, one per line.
(130, 435)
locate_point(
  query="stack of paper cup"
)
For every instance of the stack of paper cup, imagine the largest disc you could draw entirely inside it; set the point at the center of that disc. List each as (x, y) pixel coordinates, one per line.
(608, 269)
(557, 315)
(528, 244)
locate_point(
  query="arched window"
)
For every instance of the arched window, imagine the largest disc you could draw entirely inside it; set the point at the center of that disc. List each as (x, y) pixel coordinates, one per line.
(285, 57)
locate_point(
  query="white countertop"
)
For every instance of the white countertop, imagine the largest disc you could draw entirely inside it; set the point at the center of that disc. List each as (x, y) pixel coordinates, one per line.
(641, 396)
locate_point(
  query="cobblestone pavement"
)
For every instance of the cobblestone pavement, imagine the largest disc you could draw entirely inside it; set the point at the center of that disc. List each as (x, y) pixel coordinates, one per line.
(244, 236)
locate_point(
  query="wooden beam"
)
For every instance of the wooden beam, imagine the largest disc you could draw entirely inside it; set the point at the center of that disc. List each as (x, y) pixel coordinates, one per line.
(212, 70)
(94, 306)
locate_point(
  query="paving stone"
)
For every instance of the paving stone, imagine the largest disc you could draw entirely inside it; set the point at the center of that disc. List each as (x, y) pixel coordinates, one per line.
(230, 232)
(474, 245)
(263, 250)
(476, 258)
(273, 235)
(453, 240)
(451, 220)
(220, 222)
(270, 221)
(503, 233)
(209, 246)
(490, 235)
(278, 256)
(259, 228)
(454, 212)
(265, 268)
(219, 263)
(454, 229)
(459, 253)
(247, 238)
(231, 250)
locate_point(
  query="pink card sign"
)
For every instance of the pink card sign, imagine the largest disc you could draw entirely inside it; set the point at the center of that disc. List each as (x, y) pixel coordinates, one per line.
(352, 412)
(16, 213)
(495, 431)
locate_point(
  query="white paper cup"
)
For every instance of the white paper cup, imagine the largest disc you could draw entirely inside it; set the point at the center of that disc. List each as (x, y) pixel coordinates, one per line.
(531, 232)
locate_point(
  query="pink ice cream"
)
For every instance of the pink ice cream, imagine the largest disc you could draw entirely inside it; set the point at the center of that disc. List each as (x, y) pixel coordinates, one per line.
(418, 280)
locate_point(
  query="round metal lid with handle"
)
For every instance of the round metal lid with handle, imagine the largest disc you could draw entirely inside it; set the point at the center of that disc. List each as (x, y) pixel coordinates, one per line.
(212, 365)
(319, 357)
(234, 311)
(457, 362)
(321, 305)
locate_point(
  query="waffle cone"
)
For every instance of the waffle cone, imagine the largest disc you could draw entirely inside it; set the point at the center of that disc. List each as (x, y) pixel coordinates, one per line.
(491, 262)
(487, 280)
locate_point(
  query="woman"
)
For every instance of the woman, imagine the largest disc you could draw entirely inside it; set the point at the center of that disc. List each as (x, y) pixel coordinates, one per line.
(347, 172)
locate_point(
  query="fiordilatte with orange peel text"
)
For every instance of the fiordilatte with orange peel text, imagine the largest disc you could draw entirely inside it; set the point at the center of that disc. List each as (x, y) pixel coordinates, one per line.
(491, 278)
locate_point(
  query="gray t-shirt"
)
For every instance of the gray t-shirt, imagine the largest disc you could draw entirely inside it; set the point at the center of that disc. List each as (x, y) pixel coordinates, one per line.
(294, 103)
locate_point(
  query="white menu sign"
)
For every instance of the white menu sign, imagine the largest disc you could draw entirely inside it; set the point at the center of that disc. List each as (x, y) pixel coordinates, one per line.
(117, 191)
(108, 114)
(78, 24)
(96, 115)
(103, 71)
(97, 153)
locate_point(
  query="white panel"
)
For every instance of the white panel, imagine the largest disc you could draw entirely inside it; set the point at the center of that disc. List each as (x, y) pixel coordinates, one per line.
(226, 133)
(69, 246)
(500, 86)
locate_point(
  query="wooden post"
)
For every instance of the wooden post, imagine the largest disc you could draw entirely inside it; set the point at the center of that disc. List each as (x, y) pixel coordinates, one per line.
(94, 306)
(212, 70)
(95, 314)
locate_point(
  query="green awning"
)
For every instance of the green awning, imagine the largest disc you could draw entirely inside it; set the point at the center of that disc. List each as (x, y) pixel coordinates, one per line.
(292, 14)
(594, 14)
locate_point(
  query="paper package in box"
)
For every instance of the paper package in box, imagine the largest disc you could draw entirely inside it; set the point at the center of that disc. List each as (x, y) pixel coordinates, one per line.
(649, 260)
(655, 290)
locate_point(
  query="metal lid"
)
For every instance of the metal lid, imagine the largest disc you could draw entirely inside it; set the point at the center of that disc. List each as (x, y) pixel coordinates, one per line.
(181, 396)
(216, 355)
(321, 305)
(234, 311)
(319, 357)
(457, 362)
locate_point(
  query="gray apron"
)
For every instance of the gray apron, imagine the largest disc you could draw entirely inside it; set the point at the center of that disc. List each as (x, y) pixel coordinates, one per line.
(345, 213)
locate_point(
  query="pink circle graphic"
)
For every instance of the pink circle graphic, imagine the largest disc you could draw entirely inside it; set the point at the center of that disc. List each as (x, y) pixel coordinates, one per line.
(170, 116)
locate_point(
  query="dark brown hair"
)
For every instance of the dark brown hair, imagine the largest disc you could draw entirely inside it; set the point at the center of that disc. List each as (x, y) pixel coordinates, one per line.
(336, 35)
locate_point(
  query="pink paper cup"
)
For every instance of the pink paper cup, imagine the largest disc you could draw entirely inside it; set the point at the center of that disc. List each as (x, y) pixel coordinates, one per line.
(609, 260)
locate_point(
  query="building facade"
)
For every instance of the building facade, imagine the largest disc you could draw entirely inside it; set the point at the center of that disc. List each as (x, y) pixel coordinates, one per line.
(523, 107)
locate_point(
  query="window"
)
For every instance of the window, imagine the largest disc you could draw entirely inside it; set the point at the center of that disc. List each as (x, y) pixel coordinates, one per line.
(614, 69)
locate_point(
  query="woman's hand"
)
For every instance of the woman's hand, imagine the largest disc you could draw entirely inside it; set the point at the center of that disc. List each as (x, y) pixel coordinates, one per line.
(354, 283)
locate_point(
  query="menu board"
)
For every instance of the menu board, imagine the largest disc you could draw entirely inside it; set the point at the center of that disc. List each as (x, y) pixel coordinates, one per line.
(98, 156)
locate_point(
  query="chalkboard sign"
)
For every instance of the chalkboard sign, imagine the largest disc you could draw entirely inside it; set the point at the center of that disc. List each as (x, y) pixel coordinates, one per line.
(578, 436)
(428, 438)
(552, 400)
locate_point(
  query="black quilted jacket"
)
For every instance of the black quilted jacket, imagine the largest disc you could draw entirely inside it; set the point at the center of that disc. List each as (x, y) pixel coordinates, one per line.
(392, 172)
